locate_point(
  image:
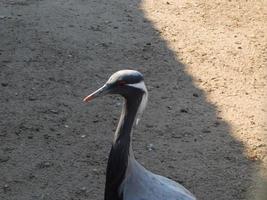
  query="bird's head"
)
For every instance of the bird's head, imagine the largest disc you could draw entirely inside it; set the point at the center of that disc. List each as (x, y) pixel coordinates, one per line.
(124, 82)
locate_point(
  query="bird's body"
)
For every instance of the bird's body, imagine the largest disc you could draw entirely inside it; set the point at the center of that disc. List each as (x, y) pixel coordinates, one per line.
(126, 179)
(142, 184)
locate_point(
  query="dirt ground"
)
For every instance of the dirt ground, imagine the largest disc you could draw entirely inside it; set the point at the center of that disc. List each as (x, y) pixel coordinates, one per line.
(204, 63)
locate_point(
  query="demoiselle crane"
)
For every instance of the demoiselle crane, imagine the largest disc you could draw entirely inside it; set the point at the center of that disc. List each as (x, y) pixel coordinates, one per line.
(126, 179)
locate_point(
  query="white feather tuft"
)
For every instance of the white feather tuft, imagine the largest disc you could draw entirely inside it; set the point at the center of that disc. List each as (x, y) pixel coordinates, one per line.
(143, 103)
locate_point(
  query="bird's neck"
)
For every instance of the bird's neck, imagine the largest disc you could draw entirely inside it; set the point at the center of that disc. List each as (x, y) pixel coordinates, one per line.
(121, 149)
(127, 119)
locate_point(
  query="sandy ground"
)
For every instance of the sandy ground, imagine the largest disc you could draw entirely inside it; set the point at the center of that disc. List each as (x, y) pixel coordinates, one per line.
(205, 67)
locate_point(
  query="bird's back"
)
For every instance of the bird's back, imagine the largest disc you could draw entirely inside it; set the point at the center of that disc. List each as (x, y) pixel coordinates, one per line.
(141, 184)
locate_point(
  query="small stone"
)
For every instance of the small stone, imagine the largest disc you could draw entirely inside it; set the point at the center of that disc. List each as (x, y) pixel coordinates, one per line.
(32, 98)
(261, 145)
(149, 125)
(30, 137)
(104, 44)
(83, 189)
(47, 164)
(216, 123)
(4, 158)
(195, 95)
(118, 104)
(51, 79)
(6, 188)
(176, 136)
(6, 61)
(46, 136)
(164, 97)
(44, 164)
(4, 84)
(150, 147)
(183, 110)
(31, 176)
(206, 131)
(54, 111)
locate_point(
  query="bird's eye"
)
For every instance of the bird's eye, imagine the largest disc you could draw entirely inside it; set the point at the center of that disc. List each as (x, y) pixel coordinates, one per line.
(121, 83)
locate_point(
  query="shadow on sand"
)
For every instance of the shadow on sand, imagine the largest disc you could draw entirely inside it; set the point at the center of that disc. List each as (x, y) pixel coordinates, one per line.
(69, 48)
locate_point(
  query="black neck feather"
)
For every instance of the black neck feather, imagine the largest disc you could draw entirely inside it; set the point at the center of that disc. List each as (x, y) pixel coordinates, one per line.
(119, 154)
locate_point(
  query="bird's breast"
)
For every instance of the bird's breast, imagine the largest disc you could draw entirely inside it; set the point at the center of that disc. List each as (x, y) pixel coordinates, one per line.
(142, 184)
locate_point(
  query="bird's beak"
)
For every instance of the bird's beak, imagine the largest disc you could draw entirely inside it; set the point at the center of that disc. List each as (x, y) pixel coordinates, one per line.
(100, 92)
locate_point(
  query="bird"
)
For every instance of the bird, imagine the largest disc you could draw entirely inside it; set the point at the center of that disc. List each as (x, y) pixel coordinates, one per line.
(126, 178)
